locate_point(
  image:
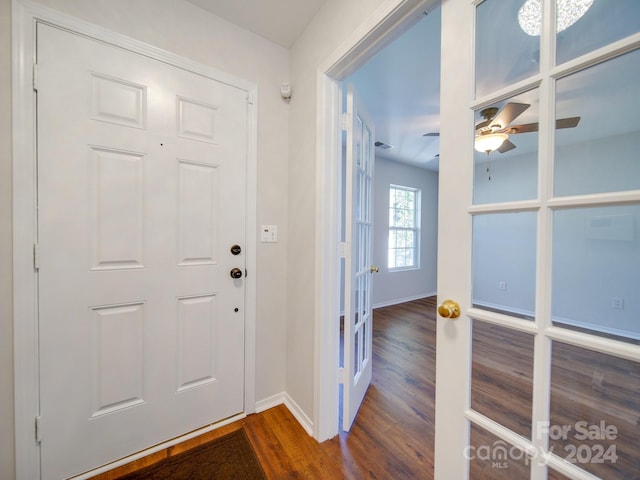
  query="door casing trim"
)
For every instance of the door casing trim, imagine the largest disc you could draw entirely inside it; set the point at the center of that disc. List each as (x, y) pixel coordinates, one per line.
(25, 16)
(391, 19)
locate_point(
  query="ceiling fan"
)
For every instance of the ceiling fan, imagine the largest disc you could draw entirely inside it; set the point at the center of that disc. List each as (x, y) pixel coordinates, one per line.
(493, 132)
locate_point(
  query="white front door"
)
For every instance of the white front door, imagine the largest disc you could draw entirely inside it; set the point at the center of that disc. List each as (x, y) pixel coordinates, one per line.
(539, 243)
(141, 195)
(358, 319)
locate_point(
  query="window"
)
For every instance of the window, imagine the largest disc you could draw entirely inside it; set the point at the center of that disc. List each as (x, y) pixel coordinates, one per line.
(404, 227)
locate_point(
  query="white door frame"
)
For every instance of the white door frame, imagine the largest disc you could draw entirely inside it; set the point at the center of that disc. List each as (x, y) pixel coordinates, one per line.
(392, 18)
(25, 15)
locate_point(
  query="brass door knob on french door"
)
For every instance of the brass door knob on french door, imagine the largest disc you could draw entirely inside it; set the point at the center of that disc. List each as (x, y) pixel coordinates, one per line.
(449, 309)
(374, 269)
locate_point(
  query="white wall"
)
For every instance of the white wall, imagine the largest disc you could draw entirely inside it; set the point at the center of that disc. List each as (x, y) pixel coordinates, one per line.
(6, 293)
(183, 29)
(403, 285)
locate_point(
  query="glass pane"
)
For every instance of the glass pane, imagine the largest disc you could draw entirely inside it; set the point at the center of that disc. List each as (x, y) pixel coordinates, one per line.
(361, 294)
(402, 208)
(365, 343)
(357, 195)
(504, 263)
(502, 376)
(600, 154)
(493, 459)
(366, 144)
(595, 411)
(362, 192)
(365, 299)
(596, 270)
(357, 133)
(356, 302)
(509, 172)
(603, 23)
(357, 367)
(505, 54)
(367, 199)
(361, 248)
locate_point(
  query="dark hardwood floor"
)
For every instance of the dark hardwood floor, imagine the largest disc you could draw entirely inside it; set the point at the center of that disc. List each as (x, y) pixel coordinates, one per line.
(393, 435)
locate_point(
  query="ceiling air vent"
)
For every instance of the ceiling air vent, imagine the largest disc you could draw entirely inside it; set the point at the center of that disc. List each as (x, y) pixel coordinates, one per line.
(383, 146)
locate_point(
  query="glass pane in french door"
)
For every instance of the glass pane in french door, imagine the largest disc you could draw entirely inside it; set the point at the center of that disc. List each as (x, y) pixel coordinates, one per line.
(507, 170)
(595, 411)
(597, 144)
(504, 263)
(505, 53)
(491, 458)
(502, 376)
(596, 271)
(580, 25)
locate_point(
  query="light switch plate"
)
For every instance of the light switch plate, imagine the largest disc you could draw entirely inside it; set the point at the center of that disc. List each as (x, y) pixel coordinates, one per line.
(269, 233)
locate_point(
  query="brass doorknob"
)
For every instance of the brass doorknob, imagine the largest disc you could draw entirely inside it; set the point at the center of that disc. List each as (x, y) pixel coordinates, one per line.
(374, 269)
(449, 309)
(236, 273)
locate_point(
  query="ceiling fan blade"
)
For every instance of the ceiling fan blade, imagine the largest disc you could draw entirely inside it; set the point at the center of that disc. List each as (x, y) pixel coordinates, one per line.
(570, 122)
(524, 128)
(431, 134)
(484, 123)
(508, 114)
(506, 146)
(567, 122)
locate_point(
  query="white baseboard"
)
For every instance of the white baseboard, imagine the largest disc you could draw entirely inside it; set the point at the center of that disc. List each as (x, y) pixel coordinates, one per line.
(299, 414)
(292, 406)
(270, 402)
(504, 308)
(397, 301)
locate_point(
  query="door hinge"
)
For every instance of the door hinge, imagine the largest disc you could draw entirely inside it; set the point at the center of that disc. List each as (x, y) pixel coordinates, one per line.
(345, 120)
(38, 429)
(36, 256)
(35, 76)
(341, 375)
(343, 249)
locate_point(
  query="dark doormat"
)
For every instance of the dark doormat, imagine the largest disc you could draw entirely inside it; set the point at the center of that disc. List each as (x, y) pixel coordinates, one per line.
(227, 457)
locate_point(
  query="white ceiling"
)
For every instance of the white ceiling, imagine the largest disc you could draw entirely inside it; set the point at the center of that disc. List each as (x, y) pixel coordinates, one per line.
(280, 21)
(400, 86)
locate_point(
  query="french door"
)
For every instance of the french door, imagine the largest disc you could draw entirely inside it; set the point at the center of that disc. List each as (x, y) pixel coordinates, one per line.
(358, 318)
(141, 325)
(539, 241)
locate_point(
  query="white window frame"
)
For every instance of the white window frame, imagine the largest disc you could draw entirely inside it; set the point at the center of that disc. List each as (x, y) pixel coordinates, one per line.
(415, 229)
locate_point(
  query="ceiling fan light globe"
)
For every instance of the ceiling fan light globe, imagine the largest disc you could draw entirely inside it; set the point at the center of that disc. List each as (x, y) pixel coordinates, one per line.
(568, 12)
(489, 142)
